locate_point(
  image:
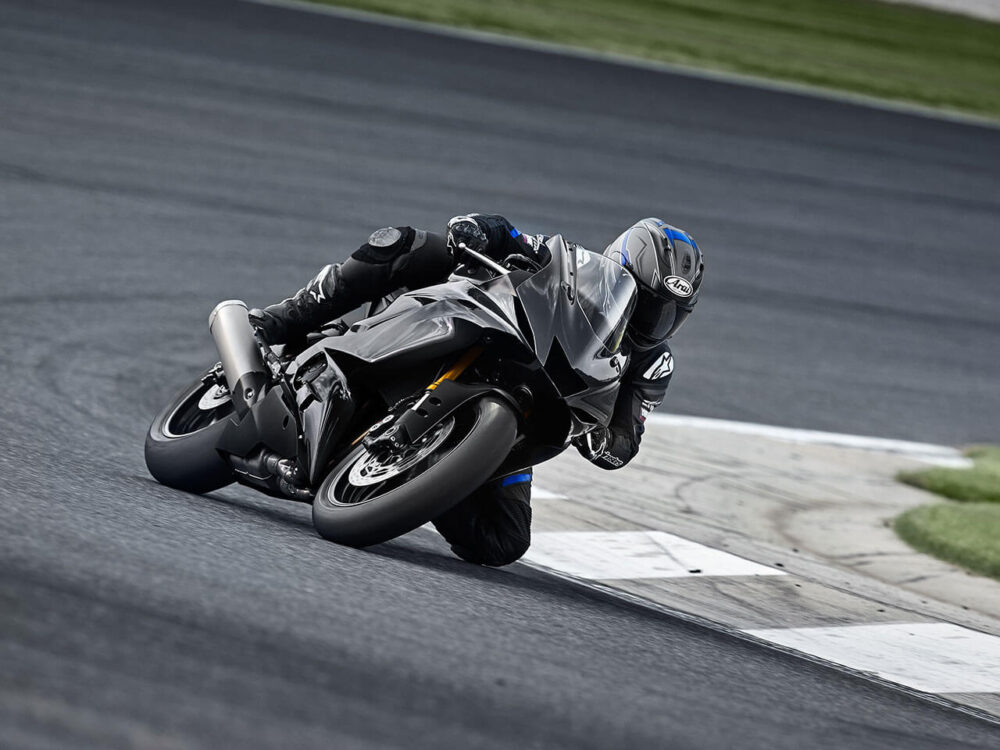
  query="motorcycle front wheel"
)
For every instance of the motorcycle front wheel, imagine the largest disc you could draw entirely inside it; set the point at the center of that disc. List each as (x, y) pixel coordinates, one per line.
(365, 501)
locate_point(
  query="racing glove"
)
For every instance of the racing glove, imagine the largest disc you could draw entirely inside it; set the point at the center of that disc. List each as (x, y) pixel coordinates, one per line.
(592, 444)
(465, 230)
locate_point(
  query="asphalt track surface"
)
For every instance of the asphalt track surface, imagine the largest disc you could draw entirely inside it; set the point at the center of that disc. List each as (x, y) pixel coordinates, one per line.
(155, 158)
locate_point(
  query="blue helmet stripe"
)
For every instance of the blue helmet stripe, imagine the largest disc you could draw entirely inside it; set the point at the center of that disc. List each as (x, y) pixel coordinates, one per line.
(677, 234)
(625, 258)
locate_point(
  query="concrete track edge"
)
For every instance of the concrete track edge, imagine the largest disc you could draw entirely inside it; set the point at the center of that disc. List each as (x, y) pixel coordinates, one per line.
(623, 598)
(796, 525)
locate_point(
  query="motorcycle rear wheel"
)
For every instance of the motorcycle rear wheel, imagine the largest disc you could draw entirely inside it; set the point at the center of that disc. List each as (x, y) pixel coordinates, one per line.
(360, 509)
(180, 443)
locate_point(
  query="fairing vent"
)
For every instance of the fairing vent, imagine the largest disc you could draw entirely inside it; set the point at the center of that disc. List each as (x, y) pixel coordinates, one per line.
(522, 323)
(488, 302)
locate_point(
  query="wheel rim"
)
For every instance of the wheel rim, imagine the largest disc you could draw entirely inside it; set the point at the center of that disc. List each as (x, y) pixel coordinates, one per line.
(204, 406)
(368, 470)
(361, 481)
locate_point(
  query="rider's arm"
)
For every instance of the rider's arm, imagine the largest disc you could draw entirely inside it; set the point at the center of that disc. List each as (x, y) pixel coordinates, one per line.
(642, 390)
(392, 258)
(504, 239)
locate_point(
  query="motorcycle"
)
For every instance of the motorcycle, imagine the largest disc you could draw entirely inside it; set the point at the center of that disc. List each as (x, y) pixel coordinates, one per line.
(386, 422)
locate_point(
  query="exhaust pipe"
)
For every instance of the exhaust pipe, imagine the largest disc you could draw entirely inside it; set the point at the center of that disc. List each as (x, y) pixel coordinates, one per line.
(242, 361)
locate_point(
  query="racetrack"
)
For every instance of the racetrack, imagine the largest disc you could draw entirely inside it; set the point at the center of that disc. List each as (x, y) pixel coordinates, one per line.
(154, 160)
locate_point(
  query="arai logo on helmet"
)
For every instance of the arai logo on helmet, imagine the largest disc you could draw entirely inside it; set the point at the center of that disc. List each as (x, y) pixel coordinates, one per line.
(679, 286)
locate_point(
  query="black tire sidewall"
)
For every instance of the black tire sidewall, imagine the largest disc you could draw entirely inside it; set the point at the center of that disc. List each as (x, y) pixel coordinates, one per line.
(187, 462)
(426, 496)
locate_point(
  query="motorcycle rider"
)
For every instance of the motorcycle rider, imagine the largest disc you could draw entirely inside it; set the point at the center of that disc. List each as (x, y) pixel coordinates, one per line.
(492, 526)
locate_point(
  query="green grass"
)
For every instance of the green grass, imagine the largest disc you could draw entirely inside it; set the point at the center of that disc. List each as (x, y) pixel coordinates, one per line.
(980, 484)
(966, 532)
(889, 51)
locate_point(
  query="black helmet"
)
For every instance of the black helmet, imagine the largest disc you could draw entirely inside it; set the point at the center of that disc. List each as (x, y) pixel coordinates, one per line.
(668, 267)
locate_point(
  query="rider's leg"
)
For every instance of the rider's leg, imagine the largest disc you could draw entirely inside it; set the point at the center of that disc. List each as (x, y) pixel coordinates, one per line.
(393, 257)
(492, 526)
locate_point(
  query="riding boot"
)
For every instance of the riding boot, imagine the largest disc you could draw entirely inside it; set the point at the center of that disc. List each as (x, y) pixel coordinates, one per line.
(321, 300)
(393, 257)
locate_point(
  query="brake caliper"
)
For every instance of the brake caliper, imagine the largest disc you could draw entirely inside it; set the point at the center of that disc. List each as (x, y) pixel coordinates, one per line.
(383, 438)
(214, 376)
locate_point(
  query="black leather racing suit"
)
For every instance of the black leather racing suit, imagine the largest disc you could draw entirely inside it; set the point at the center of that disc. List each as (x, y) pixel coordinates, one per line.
(491, 526)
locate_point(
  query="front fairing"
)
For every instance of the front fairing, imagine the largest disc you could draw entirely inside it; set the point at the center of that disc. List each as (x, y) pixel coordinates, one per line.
(585, 368)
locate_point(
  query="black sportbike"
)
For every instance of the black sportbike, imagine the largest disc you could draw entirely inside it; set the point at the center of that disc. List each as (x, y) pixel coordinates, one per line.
(386, 422)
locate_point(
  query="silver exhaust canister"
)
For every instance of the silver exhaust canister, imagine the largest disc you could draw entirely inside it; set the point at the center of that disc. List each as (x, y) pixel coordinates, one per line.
(242, 361)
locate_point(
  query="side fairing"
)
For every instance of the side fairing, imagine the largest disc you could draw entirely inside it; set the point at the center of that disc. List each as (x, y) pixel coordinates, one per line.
(430, 322)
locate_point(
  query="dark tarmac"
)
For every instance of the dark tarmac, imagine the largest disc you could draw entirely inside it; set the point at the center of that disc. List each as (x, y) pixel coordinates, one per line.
(158, 157)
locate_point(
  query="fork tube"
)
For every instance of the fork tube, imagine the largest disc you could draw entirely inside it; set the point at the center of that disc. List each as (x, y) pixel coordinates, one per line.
(457, 369)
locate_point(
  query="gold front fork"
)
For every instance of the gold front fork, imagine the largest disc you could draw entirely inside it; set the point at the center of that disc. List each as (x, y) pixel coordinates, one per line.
(456, 370)
(459, 367)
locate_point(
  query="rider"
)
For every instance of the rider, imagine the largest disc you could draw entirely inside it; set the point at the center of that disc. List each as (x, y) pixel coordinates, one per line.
(492, 526)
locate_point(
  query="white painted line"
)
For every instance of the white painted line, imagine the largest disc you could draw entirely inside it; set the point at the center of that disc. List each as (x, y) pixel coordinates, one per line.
(705, 74)
(932, 657)
(540, 493)
(940, 455)
(614, 555)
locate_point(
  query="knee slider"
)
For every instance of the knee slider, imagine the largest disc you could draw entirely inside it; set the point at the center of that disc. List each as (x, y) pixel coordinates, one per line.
(505, 539)
(512, 550)
(385, 245)
(495, 553)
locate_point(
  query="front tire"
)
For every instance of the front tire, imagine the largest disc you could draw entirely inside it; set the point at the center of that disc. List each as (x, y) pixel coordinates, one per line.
(364, 510)
(180, 443)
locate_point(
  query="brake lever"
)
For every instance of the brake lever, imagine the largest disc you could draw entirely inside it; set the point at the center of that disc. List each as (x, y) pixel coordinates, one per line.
(522, 262)
(483, 260)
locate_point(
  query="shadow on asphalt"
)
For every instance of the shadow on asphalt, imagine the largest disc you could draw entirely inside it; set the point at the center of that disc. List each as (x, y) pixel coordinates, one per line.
(260, 506)
(420, 548)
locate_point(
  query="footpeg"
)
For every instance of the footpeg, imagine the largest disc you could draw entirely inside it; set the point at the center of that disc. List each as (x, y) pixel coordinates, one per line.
(291, 479)
(270, 472)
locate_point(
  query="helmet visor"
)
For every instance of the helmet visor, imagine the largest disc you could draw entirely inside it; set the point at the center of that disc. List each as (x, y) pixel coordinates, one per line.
(657, 318)
(682, 315)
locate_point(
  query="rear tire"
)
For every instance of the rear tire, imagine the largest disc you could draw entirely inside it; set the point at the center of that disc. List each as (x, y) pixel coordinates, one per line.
(482, 436)
(180, 443)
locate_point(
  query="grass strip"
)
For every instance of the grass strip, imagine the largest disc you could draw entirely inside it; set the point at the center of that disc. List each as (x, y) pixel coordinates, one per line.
(980, 484)
(967, 534)
(894, 52)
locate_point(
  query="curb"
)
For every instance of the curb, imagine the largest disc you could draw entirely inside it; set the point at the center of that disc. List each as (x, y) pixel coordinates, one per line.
(623, 598)
(846, 592)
